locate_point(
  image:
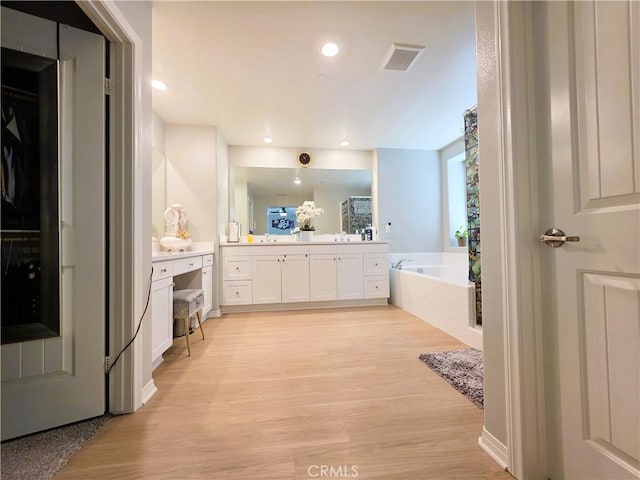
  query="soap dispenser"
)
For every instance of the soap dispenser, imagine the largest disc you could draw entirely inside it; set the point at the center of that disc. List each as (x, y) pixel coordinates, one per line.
(369, 232)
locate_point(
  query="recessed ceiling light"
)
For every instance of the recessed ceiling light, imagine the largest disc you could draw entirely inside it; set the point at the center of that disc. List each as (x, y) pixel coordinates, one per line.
(158, 85)
(268, 139)
(330, 49)
(344, 143)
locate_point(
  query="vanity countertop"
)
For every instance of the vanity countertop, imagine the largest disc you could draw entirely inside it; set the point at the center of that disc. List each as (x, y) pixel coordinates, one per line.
(281, 243)
(163, 256)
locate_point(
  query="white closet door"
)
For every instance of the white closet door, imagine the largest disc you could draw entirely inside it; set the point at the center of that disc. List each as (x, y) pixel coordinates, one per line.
(55, 381)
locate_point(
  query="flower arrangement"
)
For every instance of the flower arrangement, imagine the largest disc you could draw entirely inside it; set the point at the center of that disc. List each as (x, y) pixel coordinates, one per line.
(305, 214)
(183, 234)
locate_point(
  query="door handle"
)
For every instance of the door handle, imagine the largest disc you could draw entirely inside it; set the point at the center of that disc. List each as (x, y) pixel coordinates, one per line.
(554, 238)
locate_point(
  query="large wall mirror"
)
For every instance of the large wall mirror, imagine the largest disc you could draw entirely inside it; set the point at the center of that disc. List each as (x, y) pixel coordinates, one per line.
(260, 191)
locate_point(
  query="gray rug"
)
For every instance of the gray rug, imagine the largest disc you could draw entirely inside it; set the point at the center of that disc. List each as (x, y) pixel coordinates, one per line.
(462, 369)
(41, 455)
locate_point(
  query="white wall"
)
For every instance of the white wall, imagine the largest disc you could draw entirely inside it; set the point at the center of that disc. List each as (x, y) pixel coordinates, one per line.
(288, 158)
(409, 196)
(192, 177)
(495, 412)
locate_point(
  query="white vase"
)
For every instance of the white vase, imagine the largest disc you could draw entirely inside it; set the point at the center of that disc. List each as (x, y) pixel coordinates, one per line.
(174, 244)
(306, 235)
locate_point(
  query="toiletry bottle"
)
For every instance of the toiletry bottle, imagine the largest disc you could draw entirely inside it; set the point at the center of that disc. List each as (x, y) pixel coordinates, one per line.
(369, 232)
(250, 236)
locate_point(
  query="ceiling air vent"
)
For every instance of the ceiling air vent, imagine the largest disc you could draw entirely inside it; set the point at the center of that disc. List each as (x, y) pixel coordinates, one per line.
(400, 57)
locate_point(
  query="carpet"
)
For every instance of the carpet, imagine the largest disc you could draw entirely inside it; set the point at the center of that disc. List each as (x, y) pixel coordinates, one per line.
(40, 455)
(463, 369)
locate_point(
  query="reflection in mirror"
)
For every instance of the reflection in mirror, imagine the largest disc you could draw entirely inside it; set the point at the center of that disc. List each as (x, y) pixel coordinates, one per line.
(158, 193)
(261, 189)
(281, 220)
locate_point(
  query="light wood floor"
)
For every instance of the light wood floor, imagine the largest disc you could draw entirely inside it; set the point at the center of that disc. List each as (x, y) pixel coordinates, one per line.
(278, 395)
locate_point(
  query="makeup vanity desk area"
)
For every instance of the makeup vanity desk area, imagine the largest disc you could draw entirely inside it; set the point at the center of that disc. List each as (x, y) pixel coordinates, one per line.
(179, 270)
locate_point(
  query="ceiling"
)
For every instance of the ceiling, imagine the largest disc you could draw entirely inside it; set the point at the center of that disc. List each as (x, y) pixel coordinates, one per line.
(254, 69)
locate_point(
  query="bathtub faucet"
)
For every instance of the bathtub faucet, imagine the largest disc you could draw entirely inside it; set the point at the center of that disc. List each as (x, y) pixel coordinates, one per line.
(398, 265)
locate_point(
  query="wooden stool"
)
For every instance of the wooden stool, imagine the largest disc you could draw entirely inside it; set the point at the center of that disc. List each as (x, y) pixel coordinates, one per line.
(186, 304)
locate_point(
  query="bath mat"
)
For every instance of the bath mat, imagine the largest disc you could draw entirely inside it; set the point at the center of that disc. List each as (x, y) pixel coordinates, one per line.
(41, 455)
(463, 369)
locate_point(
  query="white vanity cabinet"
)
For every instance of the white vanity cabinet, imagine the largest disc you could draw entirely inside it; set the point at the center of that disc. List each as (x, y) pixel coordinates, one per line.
(182, 270)
(349, 276)
(295, 278)
(304, 275)
(323, 278)
(237, 283)
(336, 276)
(376, 275)
(281, 278)
(161, 309)
(267, 282)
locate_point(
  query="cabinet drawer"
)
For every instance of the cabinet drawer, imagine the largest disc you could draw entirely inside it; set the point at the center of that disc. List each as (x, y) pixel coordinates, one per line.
(237, 293)
(162, 270)
(236, 268)
(186, 265)
(375, 264)
(376, 286)
(207, 260)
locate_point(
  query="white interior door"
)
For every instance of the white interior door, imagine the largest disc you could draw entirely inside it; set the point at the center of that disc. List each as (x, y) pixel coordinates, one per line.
(590, 184)
(51, 382)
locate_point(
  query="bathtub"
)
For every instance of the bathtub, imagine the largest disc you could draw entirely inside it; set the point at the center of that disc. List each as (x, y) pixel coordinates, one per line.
(434, 287)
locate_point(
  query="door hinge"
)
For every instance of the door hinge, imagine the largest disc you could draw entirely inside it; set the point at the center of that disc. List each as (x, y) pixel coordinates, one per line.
(107, 86)
(107, 364)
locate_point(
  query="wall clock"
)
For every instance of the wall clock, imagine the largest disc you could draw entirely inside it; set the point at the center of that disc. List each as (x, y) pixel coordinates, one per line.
(304, 159)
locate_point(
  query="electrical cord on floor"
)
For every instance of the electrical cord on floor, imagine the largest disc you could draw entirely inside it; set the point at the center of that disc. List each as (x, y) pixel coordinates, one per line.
(137, 329)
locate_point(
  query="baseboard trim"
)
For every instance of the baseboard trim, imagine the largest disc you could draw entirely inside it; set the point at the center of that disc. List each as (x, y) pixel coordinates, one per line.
(217, 313)
(494, 448)
(275, 307)
(148, 391)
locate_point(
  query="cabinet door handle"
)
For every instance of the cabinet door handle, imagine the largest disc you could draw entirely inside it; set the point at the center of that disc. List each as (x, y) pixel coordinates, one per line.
(191, 264)
(237, 293)
(163, 270)
(238, 268)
